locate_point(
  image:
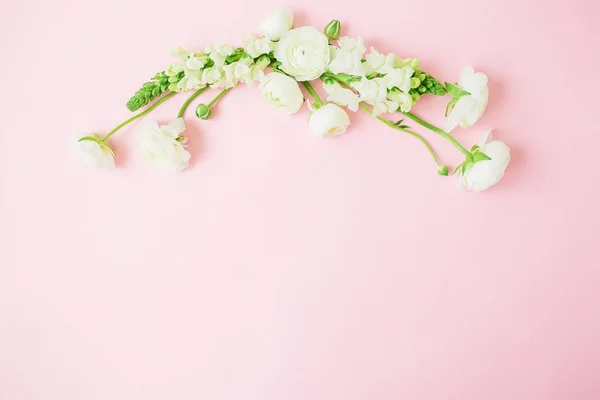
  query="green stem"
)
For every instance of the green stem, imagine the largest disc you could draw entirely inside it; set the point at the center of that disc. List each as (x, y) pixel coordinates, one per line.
(218, 97)
(185, 105)
(394, 126)
(439, 132)
(146, 111)
(312, 92)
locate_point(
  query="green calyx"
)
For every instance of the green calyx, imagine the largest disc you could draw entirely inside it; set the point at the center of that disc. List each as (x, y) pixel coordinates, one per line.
(150, 90)
(332, 29)
(456, 92)
(476, 156)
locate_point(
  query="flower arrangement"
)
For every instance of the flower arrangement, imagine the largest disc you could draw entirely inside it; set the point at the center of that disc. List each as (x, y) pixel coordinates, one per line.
(285, 58)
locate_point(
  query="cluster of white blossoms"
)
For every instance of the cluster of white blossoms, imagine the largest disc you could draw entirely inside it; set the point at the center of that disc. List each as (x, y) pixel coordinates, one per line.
(351, 76)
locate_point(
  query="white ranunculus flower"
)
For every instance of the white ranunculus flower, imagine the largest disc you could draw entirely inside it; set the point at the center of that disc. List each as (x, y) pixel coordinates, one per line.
(163, 145)
(93, 152)
(347, 58)
(341, 96)
(328, 121)
(282, 91)
(277, 22)
(484, 174)
(304, 53)
(470, 108)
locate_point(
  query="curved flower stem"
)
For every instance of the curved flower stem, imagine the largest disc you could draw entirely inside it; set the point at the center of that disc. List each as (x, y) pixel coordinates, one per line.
(218, 97)
(392, 125)
(439, 132)
(185, 105)
(146, 111)
(312, 92)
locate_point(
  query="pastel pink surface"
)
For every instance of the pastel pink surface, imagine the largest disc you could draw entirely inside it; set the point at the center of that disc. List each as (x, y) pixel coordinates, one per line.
(281, 266)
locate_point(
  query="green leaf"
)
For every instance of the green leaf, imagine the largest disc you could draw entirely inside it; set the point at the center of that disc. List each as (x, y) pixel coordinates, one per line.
(397, 123)
(474, 148)
(479, 156)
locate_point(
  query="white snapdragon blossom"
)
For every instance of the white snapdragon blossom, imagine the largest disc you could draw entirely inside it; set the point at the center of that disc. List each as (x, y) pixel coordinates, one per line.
(163, 145)
(304, 53)
(341, 96)
(219, 53)
(485, 174)
(256, 47)
(374, 61)
(374, 92)
(328, 121)
(277, 22)
(191, 66)
(469, 108)
(282, 91)
(93, 152)
(257, 70)
(347, 58)
(399, 77)
(212, 75)
(404, 100)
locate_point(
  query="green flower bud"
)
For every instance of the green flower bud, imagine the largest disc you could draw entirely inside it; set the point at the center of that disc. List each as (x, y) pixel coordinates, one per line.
(203, 111)
(414, 82)
(443, 170)
(332, 30)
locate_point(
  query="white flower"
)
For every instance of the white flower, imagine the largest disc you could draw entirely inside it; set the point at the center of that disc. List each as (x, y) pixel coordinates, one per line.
(277, 22)
(470, 108)
(374, 61)
(219, 53)
(328, 121)
(256, 47)
(399, 77)
(347, 58)
(180, 52)
(257, 70)
(304, 53)
(163, 145)
(484, 174)
(341, 96)
(93, 152)
(282, 91)
(374, 92)
(403, 99)
(212, 75)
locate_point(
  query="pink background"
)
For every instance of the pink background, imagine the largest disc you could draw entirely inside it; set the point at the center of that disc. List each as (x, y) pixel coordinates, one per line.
(281, 266)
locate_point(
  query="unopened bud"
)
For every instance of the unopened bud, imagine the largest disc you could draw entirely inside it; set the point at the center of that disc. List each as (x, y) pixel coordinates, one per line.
(203, 111)
(332, 30)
